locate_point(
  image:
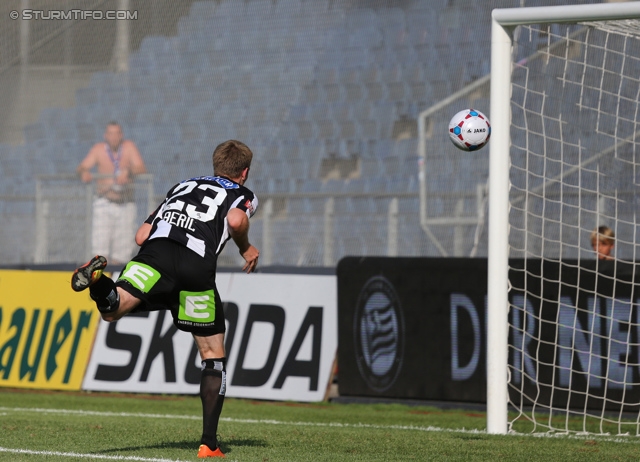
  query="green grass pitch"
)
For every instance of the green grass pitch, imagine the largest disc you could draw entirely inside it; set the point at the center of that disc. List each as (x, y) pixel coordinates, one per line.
(61, 426)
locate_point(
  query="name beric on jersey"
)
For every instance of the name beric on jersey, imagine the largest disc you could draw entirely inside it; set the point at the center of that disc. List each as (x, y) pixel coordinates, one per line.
(178, 219)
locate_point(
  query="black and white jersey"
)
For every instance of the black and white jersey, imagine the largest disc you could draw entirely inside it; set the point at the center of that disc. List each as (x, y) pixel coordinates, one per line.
(194, 213)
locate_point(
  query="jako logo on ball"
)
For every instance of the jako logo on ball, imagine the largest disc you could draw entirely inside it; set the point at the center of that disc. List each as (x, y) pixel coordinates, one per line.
(469, 130)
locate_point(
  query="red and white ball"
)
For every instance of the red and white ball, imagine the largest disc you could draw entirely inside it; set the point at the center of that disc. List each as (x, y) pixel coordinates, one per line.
(469, 130)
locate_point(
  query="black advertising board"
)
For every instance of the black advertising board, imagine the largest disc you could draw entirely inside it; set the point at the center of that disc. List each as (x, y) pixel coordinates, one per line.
(576, 328)
(395, 326)
(415, 328)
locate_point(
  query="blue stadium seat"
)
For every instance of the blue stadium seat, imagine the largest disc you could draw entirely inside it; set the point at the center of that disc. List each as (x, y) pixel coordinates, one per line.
(406, 148)
(356, 185)
(383, 148)
(229, 10)
(36, 131)
(394, 29)
(369, 167)
(368, 37)
(422, 25)
(281, 185)
(299, 169)
(202, 9)
(297, 207)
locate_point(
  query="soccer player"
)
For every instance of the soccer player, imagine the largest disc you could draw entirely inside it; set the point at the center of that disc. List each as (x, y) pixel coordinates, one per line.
(176, 267)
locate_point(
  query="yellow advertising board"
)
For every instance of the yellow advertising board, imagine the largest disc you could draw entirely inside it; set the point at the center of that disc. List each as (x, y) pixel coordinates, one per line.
(46, 330)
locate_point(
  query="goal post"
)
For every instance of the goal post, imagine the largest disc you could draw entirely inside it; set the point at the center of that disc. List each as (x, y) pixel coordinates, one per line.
(548, 181)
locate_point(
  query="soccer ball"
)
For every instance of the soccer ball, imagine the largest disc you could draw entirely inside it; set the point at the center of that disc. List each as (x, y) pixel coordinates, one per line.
(469, 130)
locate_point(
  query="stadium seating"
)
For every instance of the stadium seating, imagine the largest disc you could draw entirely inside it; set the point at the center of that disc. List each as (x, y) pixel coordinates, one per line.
(299, 81)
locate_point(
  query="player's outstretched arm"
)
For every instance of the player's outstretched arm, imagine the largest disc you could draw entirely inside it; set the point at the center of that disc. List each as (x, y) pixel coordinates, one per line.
(239, 230)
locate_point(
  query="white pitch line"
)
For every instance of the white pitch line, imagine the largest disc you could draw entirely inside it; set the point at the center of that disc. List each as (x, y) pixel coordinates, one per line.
(99, 413)
(231, 419)
(606, 438)
(83, 456)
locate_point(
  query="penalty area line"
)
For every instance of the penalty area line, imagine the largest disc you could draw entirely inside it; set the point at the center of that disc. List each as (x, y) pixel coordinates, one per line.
(78, 455)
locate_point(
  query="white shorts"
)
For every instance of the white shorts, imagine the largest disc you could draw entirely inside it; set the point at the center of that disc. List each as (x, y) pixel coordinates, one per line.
(113, 234)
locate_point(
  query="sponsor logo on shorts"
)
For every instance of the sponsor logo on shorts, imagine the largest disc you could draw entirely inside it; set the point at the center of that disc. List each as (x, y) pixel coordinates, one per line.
(197, 307)
(140, 276)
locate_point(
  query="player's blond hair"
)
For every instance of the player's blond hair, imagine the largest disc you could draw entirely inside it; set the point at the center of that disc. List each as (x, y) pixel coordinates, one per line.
(231, 158)
(603, 234)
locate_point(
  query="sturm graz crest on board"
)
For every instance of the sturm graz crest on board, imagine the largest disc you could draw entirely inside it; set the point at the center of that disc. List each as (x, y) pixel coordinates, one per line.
(379, 333)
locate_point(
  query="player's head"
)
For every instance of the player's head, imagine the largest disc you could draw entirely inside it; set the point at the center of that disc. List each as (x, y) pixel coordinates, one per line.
(233, 160)
(113, 134)
(602, 241)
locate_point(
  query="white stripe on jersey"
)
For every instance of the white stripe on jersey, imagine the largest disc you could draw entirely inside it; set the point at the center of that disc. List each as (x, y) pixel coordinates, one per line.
(195, 244)
(162, 230)
(254, 206)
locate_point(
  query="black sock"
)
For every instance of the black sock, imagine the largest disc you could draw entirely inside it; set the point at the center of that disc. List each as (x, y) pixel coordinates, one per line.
(104, 293)
(213, 384)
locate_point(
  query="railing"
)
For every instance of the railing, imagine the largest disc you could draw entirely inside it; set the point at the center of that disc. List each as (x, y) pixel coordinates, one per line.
(329, 257)
(63, 209)
(63, 205)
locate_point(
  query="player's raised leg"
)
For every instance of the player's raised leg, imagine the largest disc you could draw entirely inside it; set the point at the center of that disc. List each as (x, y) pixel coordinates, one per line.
(88, 274)
(112, 302)
(101, 288)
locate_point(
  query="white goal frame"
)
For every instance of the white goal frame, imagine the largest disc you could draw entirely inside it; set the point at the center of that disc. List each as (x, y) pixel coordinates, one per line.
(504, 21)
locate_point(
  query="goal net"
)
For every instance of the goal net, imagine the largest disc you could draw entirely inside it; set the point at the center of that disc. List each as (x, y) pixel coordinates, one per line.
(564, 170)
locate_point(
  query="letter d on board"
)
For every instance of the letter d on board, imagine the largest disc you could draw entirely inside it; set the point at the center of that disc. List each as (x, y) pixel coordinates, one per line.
(274, 315)
(463, 373)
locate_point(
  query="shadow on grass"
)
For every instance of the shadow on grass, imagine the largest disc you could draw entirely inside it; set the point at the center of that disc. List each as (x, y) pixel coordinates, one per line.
(190, 445)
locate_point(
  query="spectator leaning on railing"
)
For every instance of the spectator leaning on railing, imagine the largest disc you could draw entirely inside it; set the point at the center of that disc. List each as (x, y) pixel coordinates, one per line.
(116, 162)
